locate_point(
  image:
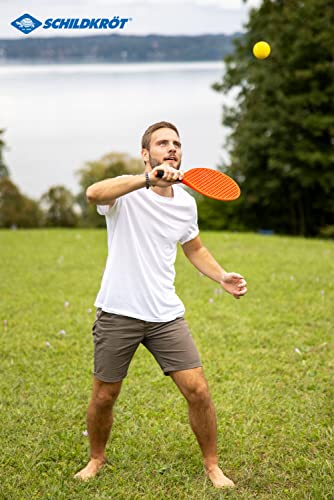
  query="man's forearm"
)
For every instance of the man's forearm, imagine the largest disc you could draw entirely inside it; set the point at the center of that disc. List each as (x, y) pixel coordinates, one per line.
(107, 191)
(206, 264)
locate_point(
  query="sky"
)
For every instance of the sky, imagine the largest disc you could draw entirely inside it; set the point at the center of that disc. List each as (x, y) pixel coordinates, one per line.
(164, 17)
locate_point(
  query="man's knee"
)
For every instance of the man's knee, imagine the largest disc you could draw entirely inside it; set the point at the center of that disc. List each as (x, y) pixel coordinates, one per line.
(105, 394)
(199, 394)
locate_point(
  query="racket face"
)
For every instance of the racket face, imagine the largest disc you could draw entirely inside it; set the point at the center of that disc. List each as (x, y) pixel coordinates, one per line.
(212, 184)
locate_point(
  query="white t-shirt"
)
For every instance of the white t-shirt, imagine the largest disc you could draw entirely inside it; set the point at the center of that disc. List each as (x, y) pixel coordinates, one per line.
(143, 231)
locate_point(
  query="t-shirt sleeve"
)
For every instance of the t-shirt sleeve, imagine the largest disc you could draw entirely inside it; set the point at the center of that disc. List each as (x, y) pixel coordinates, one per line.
(105, 209)
(192, 230)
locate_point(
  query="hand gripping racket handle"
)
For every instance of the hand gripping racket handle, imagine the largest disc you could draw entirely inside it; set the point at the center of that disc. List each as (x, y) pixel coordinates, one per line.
(160, 174)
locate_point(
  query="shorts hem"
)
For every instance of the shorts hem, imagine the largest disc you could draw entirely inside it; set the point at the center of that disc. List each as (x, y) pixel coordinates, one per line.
(188, 366)
(109, 380)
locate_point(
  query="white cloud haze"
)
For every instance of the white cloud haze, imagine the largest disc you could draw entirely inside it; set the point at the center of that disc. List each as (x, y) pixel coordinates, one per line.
(149, 16)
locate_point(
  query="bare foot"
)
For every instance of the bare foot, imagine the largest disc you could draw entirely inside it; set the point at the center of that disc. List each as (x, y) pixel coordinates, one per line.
(91, 469)
(218, 479)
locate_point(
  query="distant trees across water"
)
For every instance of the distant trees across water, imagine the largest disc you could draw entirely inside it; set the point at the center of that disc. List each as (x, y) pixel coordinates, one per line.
(118, 48)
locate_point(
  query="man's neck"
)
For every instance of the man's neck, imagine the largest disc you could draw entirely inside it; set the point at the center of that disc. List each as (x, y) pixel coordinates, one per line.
(163, 191)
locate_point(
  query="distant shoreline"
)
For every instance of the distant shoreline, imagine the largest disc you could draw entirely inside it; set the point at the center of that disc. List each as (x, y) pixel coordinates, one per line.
(34, 62)
(121, 65)
(116, 49)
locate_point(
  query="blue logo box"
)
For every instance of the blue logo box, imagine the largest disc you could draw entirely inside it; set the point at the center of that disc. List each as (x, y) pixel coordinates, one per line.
(26, 23)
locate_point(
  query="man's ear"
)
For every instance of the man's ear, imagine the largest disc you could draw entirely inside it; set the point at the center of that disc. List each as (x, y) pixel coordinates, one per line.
(145, 155)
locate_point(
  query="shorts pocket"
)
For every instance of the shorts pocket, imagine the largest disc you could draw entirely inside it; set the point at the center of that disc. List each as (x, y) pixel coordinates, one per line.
(97, 317)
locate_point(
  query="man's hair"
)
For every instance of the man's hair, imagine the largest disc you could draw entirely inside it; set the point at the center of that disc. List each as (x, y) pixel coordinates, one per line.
(146, 139)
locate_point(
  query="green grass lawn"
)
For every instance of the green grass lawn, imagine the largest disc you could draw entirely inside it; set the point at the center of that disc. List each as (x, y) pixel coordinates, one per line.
(268, 359)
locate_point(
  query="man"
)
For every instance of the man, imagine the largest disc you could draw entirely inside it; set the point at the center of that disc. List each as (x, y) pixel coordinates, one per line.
(146, 217)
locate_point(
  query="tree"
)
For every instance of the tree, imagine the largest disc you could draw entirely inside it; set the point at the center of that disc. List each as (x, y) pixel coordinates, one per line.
(217, 216)
(58, 206)
(281, 145)
(4, 172)
(17, 210)
(110, 165)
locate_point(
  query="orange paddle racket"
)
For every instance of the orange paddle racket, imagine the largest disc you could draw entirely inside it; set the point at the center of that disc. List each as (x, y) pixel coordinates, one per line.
(210, 183)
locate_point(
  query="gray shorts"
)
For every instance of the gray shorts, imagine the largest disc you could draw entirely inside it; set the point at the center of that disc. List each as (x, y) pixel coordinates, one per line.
(116, 339)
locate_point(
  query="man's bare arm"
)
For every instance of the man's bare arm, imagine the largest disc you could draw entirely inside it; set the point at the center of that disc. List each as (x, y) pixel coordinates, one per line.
(107, 191)
(202, 259)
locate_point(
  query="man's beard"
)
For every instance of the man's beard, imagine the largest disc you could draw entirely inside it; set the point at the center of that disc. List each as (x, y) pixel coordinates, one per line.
(155, 163)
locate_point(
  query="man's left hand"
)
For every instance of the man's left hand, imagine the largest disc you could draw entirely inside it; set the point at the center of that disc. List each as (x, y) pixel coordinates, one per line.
(234, 284)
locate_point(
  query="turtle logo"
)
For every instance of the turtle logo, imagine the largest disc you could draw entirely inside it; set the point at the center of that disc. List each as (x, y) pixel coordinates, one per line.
(26, 23)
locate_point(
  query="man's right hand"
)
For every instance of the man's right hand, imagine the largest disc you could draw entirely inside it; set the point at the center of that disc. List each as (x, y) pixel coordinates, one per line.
(171, 175)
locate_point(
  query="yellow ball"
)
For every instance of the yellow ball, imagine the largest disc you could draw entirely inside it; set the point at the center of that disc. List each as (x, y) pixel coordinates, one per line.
(261, 50)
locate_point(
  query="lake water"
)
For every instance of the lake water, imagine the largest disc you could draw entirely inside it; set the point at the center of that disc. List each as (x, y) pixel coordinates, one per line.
(57, 117)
